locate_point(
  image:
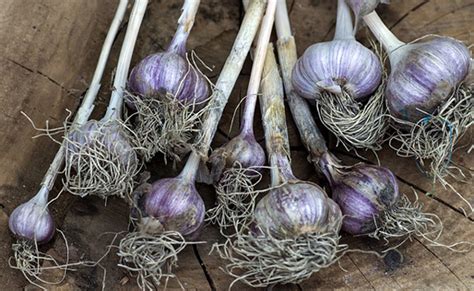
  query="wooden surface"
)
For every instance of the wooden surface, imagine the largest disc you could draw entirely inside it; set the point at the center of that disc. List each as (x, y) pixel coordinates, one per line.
(48, 51)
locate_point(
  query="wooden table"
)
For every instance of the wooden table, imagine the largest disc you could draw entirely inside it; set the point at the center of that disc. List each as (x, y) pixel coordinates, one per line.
(47, 54)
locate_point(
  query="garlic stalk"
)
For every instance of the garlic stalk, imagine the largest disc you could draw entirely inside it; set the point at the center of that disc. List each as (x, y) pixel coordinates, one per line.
(237, 164)
(294, 230)
(100, 157)
(31, 221)
(168, 95)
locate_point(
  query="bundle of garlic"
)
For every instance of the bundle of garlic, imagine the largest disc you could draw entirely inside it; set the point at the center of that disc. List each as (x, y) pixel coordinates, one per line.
(100, 157)
(294, 230)
(367, 195)
(31, 222)
(429, 97)
(236, 166)
(168, 95)
(170, 211)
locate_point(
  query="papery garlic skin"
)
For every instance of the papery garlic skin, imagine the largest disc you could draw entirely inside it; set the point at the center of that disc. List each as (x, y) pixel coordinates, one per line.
(243, 149)
(168, 73)
(296, 209)
(32, 221)
(362, 192)
(364, 7)
(335, 66)
(424, 75)
(176, 204)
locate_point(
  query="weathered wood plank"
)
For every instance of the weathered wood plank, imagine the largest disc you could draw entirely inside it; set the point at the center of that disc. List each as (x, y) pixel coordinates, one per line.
(52, 64)
(90, 227)
(453, 267)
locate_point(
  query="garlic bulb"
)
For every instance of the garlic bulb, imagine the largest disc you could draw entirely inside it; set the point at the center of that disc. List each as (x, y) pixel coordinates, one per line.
(342, 64)
(242, 149)
(32, 220)
(424, 75)
(168, 72)
(176, 205)
(362, 191)
(336, 66)
(295, 209)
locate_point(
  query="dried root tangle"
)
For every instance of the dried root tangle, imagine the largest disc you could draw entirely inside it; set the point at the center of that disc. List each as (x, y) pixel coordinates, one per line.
(432, 139)
(405, 219)
(354, 124)
(100, 166)
(236, 196)
(264, 260)
(165, 125)
(150, 257)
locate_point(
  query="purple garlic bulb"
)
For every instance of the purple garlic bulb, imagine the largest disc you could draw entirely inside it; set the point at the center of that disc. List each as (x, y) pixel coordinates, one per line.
(362, 192)
(169, 72)
(424, 75)
(342, 64)
(107, 135)
(32, 220)
(243, 149)
(295, 209)
(176, 205)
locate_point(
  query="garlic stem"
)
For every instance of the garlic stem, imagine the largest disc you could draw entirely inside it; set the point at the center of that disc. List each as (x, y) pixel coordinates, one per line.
(114, 109)
(274, 121)
(191, 167)
(344, 27)
(87, 106)
(257, 68)
(307, 128)
(41, 197)
(85, 110)
(282, 21)
(382, 33)
(229, 73)
(185, 24)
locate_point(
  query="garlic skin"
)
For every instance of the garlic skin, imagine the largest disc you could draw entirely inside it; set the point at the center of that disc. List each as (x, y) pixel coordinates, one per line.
(243, 149)
(109, 134)
(176, 205)
(295, 209)
(364, 7)
(424, 75)
(341, 64)
(168, 73)
(32, 221)
(362, 191)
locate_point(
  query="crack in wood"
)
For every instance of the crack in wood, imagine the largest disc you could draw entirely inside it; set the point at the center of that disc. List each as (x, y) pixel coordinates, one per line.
(212, 285)
(408, 13)
(222, 33)
(443, 15)
(442, 262)
(333, 25)
(360, 271)
(292, 5)
(39, 73)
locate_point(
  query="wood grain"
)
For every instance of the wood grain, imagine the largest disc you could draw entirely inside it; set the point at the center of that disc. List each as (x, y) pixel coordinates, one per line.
(47, 55)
